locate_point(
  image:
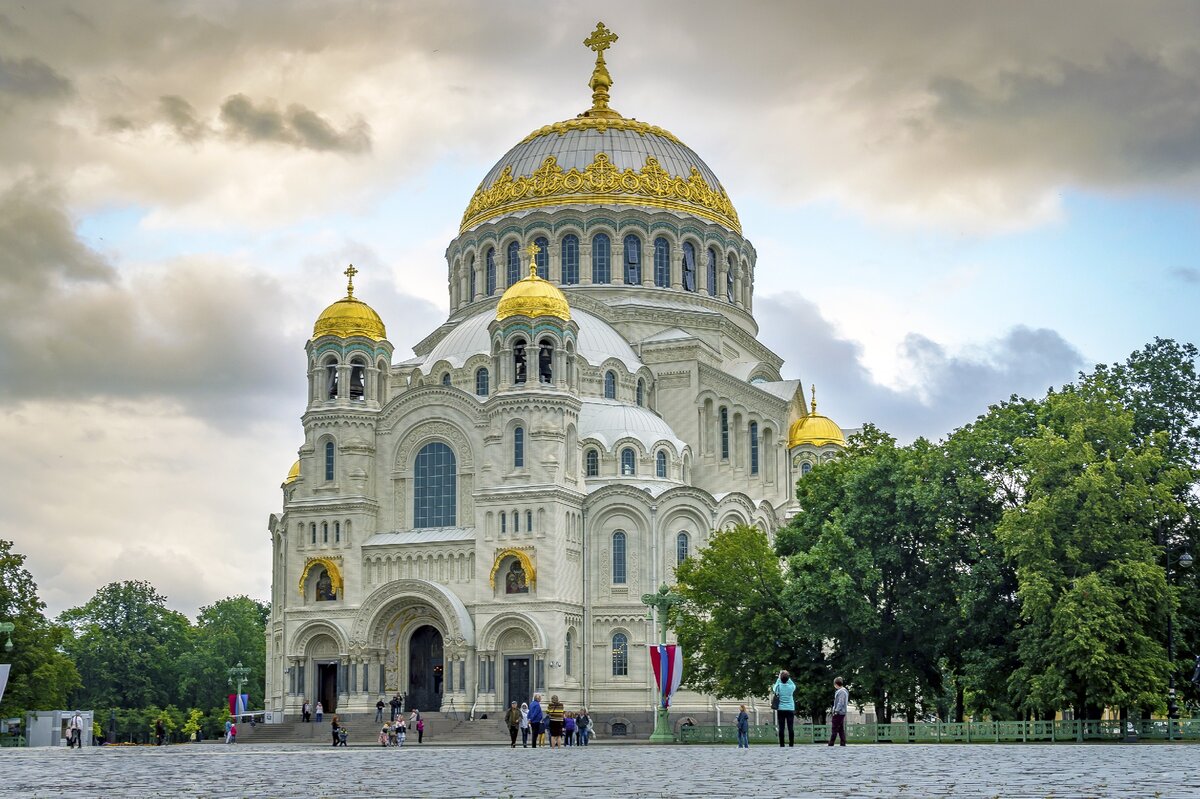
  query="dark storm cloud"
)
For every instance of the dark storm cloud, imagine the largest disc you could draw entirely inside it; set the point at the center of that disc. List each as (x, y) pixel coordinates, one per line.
(942, 391)
(31, 79)
(182, 117)
(298, 126)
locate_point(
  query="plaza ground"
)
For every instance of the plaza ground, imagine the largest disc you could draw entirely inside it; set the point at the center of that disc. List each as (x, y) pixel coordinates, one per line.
(1012, 771)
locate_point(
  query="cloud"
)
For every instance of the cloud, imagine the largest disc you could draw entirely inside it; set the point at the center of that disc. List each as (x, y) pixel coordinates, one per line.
(1186, 274)
(298, 127)
(939, 391)
(182, 117)
(32, 79)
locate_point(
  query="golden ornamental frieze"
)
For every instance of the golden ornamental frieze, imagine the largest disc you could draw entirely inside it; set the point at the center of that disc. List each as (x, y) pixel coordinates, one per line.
(602, 125)
(601, 182)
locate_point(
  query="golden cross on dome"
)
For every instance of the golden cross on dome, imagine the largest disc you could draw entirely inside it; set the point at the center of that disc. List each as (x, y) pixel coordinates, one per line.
(600, 40)
(350, 273)
(533, 249)
(814, 398)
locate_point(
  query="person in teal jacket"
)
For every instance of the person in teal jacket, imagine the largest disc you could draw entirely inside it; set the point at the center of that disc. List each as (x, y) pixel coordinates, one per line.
(784, 688)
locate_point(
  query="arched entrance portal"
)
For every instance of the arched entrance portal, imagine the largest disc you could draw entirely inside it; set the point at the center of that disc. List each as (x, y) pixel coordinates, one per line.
(425, 669)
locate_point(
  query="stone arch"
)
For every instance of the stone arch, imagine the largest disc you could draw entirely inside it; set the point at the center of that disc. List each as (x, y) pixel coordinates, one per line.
(489, 636)
(371, 616)
(309, 630)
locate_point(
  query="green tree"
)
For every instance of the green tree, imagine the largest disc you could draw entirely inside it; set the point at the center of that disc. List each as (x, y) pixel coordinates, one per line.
(734, 627)
(228, 631)
(1093, 593)
(127, 642)
(865, 554)
(41, 676)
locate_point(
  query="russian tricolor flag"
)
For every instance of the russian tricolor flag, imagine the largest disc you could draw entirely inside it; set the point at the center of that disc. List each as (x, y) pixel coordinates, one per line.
(668, 670)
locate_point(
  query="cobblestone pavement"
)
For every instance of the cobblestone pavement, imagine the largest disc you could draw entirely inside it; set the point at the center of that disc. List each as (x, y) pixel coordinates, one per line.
(912, 770)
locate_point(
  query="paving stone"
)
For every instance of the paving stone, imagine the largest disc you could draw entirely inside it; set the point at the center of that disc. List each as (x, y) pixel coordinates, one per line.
(976, 771)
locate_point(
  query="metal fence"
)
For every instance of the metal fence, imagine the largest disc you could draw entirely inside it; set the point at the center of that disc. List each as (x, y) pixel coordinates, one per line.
(963, 732)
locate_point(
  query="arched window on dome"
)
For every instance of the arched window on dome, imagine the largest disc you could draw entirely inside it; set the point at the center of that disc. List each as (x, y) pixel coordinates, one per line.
(313, 529)
(490, 268)
(712, 272)
(503, 522)
(446, 379)
(332, 377)
(633, 260)
(435, 486)
(324, 532)
(519, 364)
(805, 468)
(601, 259)
(641, 392)
(542, 259)
(620, 654)
(329, 452)
(568, 648)
(514, 263)
(546, 361)
(628, 462)
(682, 546)
(518, 447)
(754, 448)
(570, 260)
(689, 266)
(660, 464)
(662, 263)
(337, 532)
(591, 463)
(481, 382)
(724, 414)
(729, 273)
(529, 521)
(610, 384)
(471, 278)
(618, 557)
(358, 379)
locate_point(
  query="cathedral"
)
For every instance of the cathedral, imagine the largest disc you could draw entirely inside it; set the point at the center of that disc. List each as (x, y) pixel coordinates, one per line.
(478, 522)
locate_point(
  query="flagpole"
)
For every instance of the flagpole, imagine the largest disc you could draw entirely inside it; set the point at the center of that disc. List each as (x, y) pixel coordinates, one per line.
(660, 603)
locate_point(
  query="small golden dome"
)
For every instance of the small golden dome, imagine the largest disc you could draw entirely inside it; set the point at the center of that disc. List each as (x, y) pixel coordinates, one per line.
(532, 296)
(293, 473)
(814, 429)
(349, 316)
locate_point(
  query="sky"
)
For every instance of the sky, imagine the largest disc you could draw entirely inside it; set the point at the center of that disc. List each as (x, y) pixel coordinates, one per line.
(951, 201)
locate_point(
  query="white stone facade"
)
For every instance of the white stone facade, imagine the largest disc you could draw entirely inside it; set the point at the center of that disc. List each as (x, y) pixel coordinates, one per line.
(699, 406)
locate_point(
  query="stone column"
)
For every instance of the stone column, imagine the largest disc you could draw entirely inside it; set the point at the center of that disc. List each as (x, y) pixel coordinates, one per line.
(585, 262)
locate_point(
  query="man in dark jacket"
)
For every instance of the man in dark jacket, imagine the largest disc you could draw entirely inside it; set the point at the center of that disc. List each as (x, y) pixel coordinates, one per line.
(513, 719)
(395, 703)
(379, 711)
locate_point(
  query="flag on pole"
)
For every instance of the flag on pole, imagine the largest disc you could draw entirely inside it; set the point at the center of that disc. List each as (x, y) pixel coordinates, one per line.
(238, 704)
(668, 670)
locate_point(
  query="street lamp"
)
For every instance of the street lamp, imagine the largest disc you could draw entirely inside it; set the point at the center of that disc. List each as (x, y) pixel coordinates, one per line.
(661, 602)
(240, 675)
(1184, 561)
(7, 627)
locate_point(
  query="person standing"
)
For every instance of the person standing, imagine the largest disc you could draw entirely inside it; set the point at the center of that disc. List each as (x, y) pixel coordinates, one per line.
(379, 710)
(554, 712)
(784, 689)
(333, 724)
(535, 718)
(160, 732)
(228, 730)
(306, 712)
(320, 712)
(583, 727)
(417, 723)
(743, 728)
(513, 719)
(395, 703)
(75, 734)
(524, 725)
(841, 700)
(569, 728)
(232, 733)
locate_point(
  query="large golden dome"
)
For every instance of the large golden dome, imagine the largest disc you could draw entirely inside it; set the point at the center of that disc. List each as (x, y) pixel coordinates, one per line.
(601, 158)
(350, 317)
(815, 430)
(532, 296)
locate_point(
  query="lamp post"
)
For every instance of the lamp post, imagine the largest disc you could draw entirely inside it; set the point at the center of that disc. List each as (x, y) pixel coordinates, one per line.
(6, 628)
(239, 675)
(660, 603)
(1184, 561)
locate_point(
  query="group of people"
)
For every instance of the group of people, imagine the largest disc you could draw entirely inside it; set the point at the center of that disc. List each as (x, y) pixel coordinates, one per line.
(554, 723)
(230, 731)
(784, 702)
(397, 705)
(306, 712)
(394, 733)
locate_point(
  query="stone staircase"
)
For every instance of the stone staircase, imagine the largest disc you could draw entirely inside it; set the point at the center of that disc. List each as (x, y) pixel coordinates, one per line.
(362, 730)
